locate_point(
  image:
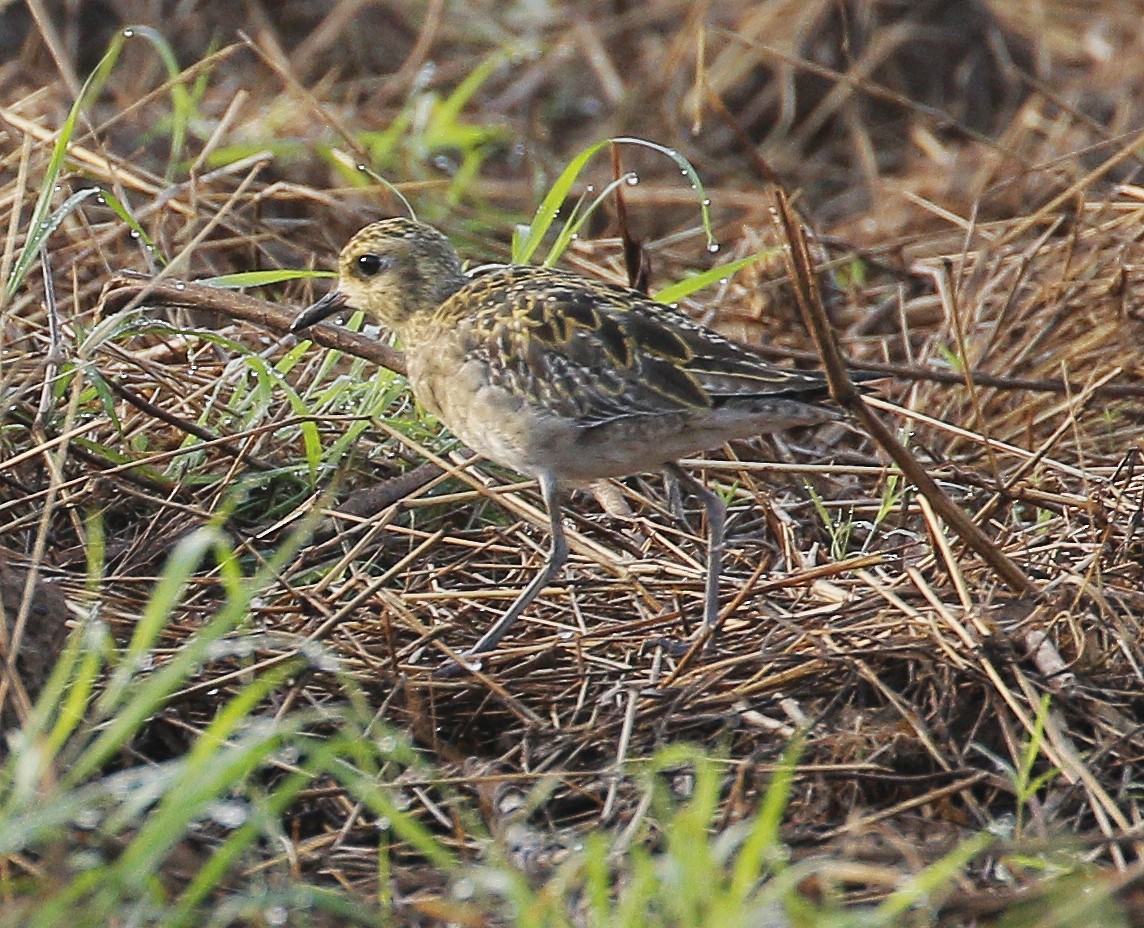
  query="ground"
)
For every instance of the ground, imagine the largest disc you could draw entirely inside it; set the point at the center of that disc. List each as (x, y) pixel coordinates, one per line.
(229, 573)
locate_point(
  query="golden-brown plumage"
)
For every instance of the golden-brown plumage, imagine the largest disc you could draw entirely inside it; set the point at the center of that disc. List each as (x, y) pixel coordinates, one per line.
(562, 378)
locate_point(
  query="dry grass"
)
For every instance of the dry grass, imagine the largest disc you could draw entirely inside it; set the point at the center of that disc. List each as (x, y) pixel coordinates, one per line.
(1004, 242)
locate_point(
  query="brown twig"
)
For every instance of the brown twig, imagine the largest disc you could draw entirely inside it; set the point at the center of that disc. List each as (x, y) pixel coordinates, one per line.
(636, 260)
(123, 291)
(843, 391)
(980, 378)
(183, 425)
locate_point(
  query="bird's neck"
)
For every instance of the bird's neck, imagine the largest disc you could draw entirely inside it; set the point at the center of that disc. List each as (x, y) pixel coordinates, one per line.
(421, 329)
(444, 286)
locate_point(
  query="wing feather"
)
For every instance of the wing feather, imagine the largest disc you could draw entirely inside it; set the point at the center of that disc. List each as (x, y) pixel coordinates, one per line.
(597, 352)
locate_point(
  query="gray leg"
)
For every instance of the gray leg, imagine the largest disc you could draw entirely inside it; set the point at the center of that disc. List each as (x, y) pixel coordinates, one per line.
(674, 495)
(557, 555)
(716, 534)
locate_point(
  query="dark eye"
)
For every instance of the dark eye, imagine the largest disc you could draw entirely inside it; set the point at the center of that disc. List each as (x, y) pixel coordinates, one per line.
(370, 265)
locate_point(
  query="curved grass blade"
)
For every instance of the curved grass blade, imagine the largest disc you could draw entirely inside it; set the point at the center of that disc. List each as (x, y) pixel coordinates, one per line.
(688, 171)
(533, 234)
(39, 234)
(390, 186)
(113, 203)
(527, 238)
(39, 228)
(182, 103)
(575, 222)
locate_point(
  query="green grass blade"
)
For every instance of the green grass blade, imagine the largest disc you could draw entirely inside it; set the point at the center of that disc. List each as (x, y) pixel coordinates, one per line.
(96, 643)
(533, 234)
(149, 694)
(182, 103)
(673, 293)
(39, 234)
(688, 171)
(575, 222)
(388, 185)
(208, 772)
(168, 593)
(763, 841)
(449, 109)
(261, 278)
(931, 880)
(39, 227)
(527, 238)
(113, 203)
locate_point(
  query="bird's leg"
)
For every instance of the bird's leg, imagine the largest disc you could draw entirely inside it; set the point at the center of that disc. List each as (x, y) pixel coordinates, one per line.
(716, 534)
(557, 555)
(674, 495)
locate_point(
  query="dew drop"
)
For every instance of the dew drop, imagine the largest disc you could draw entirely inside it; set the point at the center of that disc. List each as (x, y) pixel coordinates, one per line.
(591, 188)
(713, 247)
(362, 168)
(179, 285)
(135, 233)
(425, 75)
(229, 814)
(632, 179)
(127, 33)
(87, 818)
(707, 201)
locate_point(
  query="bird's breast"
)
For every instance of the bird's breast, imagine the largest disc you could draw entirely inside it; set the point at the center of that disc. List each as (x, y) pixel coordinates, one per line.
(495, 423)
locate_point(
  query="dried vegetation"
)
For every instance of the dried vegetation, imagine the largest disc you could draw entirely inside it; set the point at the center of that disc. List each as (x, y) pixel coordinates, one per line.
(982, 223)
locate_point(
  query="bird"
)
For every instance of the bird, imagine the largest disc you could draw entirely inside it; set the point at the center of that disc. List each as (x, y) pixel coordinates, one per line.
(562, 378)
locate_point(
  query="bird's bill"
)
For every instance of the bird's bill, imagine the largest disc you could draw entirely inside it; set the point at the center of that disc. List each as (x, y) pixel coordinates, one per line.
(326, 306)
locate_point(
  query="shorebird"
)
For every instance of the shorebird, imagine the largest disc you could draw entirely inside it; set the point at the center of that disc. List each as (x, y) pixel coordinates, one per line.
(564, 379)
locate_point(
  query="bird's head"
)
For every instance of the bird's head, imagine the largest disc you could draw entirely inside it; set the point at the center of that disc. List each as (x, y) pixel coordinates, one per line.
(393, 271)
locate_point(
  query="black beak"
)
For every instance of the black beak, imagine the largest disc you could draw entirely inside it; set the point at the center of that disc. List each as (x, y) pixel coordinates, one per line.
(326, 306)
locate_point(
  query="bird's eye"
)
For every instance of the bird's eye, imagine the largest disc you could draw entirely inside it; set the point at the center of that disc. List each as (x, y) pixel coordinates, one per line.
(370, 265)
